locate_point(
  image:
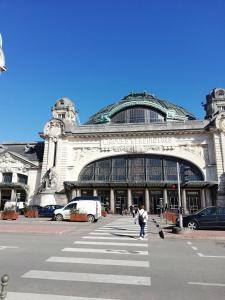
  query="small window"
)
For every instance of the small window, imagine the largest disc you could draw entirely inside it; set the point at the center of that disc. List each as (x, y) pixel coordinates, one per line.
(7, 177)
(61, 116)
(22, 178)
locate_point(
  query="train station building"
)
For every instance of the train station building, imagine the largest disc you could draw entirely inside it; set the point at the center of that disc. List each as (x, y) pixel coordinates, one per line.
(137, 150)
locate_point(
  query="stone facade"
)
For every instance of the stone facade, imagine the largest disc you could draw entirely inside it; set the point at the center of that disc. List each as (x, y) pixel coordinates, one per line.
(70, 149)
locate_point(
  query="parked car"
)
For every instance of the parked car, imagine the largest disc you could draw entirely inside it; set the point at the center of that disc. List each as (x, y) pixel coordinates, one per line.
(206, 218)
(48, 210)
(91, 207)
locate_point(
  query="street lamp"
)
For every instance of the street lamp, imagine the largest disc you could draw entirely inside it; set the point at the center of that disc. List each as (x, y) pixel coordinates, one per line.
(2, 57)
(179, 197)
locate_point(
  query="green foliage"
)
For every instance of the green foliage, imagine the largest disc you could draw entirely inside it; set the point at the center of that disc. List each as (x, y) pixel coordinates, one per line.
(11, 208)
(30, 208)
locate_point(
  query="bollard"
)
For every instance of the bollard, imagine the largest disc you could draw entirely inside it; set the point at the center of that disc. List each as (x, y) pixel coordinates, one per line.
(4, 283)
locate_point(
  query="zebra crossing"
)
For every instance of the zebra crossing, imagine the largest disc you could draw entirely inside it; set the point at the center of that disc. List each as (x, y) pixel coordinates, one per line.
(115, 245)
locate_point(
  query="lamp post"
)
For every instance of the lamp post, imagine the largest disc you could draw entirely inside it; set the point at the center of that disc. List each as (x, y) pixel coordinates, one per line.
(2, 57)
(179, 197)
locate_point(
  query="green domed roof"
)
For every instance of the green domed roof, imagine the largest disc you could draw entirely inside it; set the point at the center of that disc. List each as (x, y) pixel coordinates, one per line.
(169, 110)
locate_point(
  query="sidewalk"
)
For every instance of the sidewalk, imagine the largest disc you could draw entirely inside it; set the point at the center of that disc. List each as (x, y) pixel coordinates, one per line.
(45, 225)
(186, 233)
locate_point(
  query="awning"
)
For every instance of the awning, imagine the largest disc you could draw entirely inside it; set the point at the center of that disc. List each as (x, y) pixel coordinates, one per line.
(70, 185)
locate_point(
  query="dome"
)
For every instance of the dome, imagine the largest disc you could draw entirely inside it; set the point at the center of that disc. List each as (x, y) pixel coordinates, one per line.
(63, 103)
(142, 104)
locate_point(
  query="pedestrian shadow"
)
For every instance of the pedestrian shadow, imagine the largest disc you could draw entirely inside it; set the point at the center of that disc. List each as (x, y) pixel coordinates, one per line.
(124, 235)
(117, 228)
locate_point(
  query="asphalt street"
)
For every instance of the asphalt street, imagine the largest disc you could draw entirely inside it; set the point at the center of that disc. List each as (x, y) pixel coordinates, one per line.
(106, 260)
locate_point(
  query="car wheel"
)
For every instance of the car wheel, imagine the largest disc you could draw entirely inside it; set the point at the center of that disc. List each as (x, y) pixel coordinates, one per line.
(58, 217)
(192, 225)
(91, 218)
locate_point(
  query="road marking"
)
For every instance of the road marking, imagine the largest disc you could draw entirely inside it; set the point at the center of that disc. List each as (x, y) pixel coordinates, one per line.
(99, 261)
(105, 251)
(31, 296)
(189, 243)
(88, 277)
(8, 247)
(115, 230)
(194, 248)
(112, 238)
(207, 283)
(114, 233)
(210, 256)
(110, 244)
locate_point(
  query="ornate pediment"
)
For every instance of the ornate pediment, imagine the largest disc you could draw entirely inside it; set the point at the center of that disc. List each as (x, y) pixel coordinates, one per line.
(11, 163)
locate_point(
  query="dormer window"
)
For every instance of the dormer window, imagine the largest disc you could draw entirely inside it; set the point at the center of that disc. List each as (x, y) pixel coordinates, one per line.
(61, 116)
(220, 93)
(62, 102)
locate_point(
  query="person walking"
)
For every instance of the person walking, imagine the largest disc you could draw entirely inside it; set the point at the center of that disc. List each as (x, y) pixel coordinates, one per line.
(142, 217)
(132, 210)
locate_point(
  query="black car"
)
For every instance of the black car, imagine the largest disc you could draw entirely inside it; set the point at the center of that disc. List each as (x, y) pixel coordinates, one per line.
(206, 218)
(48, 210)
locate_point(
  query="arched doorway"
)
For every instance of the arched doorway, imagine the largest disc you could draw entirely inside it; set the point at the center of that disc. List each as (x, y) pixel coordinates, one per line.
(144, 178)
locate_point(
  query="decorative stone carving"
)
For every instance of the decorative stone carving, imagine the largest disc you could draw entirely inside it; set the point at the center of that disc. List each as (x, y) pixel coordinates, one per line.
(48, 181)
(81, 152)
(28, 148)
(220, 122)
(10, 164)
(2, 148)
(200, 151)
(54, 128)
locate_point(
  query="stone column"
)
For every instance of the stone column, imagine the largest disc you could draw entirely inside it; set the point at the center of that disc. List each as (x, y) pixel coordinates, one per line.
(73, 193)
(14, 177)
(95, 192)
(112, 201)
(147, 207)
(208, 197)
(78, 192)
(165, 199)
(13, 195)
(129, 198)
(51, 153)
(184, 200)
(203, 200)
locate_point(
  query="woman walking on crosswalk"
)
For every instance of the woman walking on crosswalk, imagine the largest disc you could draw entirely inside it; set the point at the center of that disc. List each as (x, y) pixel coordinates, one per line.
(142, 217)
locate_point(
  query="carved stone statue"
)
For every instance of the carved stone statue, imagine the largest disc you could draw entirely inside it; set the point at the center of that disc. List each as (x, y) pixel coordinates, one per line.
(48, 181)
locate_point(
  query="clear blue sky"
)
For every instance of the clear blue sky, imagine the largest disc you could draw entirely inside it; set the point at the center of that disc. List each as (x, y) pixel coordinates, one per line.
(97, 51)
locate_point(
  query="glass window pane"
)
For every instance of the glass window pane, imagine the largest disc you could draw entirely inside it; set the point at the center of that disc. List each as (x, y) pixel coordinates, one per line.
(170, 169)
(136, 169)
(154, 169)
(7, 177)
(119, 169)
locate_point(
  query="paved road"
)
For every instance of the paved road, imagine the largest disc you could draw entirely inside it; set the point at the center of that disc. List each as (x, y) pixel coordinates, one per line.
(107, 261)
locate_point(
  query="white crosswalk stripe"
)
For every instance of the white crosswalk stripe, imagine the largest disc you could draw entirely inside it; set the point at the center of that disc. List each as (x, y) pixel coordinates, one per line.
(109, 241)
(88, 277)
(99, 261)
(32, 296)
(111, 244)
(105, 251)
(112, 238)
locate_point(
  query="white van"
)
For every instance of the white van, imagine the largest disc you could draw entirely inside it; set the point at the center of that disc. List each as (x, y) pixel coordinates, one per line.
(91, 207)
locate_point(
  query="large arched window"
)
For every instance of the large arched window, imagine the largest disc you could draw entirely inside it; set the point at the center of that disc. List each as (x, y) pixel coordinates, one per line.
(137, 114)
(139, 168)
